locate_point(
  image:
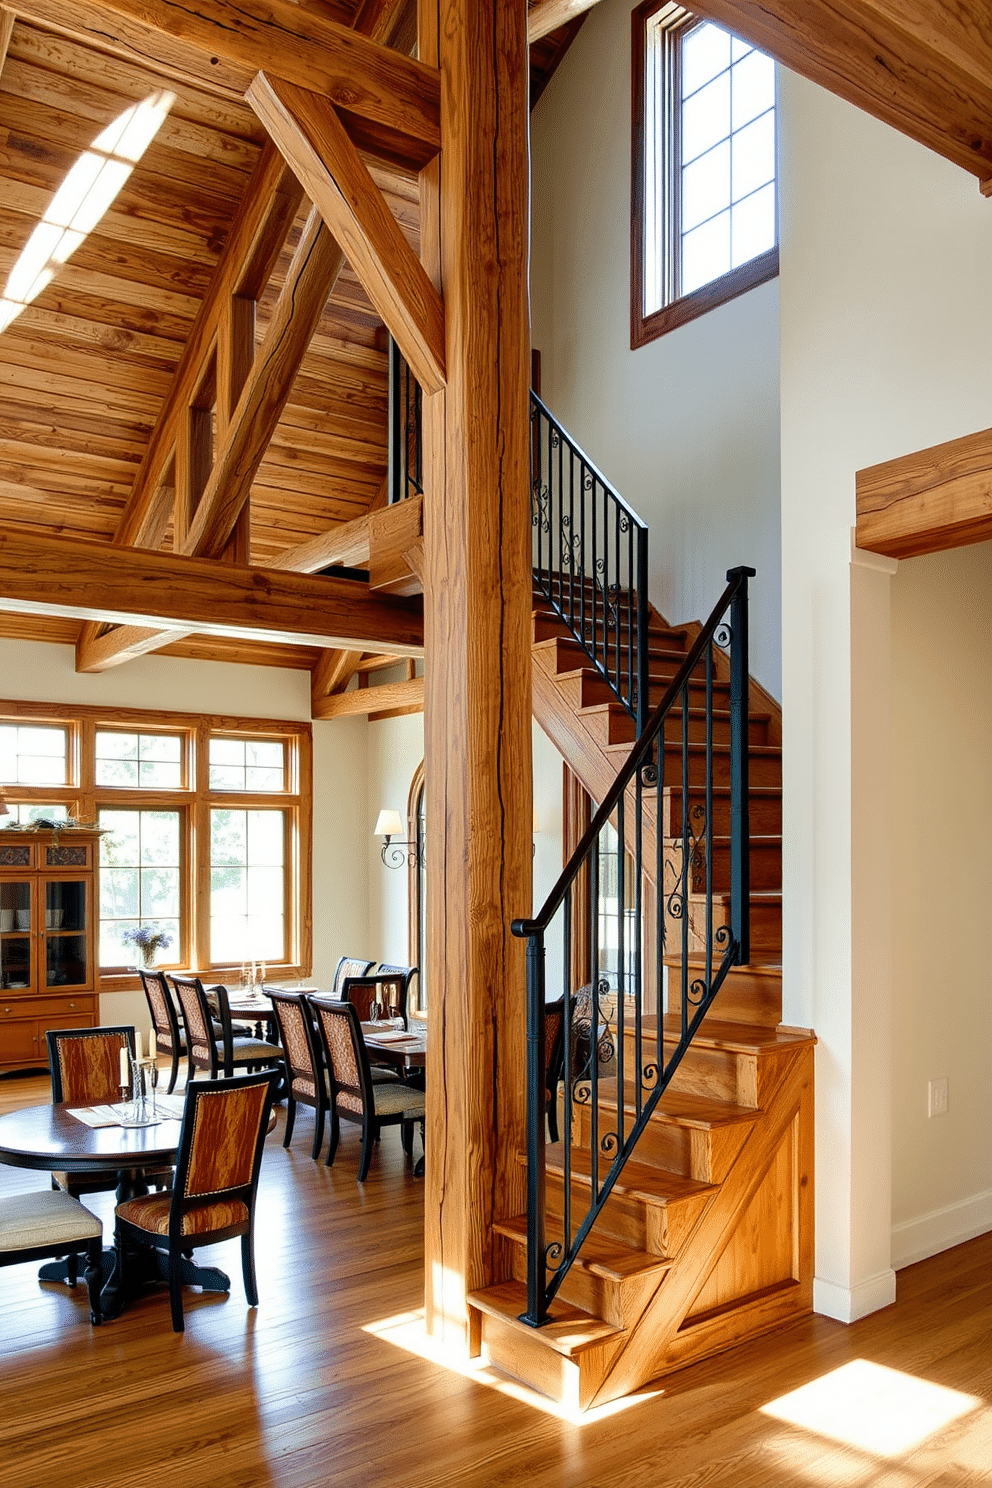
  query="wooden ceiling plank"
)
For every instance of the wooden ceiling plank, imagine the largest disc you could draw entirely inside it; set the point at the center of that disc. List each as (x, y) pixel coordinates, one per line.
(928, 501)
(924, 68)
(366, 700)
(98, 581)
(217, 43)
(315, 143)
(7, 19)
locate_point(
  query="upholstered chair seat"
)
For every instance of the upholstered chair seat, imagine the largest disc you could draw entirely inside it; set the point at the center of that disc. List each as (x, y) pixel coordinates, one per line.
(34, 1226)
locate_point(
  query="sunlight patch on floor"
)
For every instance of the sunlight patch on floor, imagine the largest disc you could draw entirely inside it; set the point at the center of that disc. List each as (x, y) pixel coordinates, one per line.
(408, 1331)
(872, 1408)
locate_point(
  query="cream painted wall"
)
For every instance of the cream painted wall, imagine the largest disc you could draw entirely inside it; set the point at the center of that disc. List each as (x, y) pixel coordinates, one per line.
(942, 888)
(686, 428)
(34, 672)
(885, 327)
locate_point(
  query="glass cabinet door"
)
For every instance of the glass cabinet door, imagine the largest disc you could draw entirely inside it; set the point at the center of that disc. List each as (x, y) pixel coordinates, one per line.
(16, 934)
(65, 911)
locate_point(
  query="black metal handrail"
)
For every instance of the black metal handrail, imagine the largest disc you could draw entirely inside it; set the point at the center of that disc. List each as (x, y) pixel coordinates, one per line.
(682, 729)
(590, 555)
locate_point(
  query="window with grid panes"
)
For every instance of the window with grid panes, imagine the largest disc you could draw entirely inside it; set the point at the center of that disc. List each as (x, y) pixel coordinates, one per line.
(206, 827)
(704, 218)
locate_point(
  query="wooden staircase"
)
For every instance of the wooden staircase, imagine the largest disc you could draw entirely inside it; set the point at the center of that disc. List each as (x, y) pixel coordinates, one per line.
(706, 1239)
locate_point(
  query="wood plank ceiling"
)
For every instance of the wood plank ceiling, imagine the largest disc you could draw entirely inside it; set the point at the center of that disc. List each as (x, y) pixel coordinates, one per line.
(86, 367)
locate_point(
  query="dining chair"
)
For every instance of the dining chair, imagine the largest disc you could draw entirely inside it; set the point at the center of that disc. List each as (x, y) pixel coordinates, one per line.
(354, 1094)
(204, 1048)
(34, 1226)
(348, 966)
(306, 1077)
(213, 1196)
(165, 1019)
(398, 980)
(362, 992)
(85, 1065)
(554, 1059)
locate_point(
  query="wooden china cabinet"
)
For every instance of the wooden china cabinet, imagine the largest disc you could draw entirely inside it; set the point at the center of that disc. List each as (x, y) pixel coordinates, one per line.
(48, 928)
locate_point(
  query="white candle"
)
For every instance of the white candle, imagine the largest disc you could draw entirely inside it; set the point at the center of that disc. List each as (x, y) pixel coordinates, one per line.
(124, 1079)
(137, 1043)
(152, 1046)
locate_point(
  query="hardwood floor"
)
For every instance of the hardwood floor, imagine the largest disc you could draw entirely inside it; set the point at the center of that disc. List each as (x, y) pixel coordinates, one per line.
(311, 1389)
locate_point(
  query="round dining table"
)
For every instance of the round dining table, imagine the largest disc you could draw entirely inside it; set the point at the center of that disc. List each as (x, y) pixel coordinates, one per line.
(50, 1139)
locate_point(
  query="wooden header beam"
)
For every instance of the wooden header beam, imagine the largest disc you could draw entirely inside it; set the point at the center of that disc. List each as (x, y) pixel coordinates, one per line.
(934, 499)
(131, 586)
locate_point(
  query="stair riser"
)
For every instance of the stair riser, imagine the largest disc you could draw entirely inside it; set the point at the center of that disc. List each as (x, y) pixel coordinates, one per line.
(765, 812)
(765, 865)
(572, 1382)
(659, 1228)
(763, 769)
(745, 997)
(617, 727)
(719, 1074)
(703, 1153)
(765, 927)
(619, 1301)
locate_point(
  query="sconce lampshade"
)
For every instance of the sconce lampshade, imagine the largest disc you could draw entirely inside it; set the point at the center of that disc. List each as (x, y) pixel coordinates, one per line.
(388, 824)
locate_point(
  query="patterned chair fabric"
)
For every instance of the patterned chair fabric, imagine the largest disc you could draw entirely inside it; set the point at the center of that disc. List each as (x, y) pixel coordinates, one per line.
(348, 966)
(34, 1226)
(217, 1166)
(354, 1095)
(165, 1019)
(305, 1073)
(204, 1049)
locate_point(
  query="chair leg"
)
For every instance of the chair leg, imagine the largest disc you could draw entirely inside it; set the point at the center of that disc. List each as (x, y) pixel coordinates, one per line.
(553, 1116)
(174, 1075)
(290, 1119)
(318, 1133)
(370, 1132)
(94, 1278)
(406, 1136)
(332, 1145)
(248, 1268)
(176, 1293)
(71, 1268)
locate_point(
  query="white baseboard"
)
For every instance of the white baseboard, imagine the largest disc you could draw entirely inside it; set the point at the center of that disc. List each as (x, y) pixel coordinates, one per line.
(929, 1234)
(847, 1304)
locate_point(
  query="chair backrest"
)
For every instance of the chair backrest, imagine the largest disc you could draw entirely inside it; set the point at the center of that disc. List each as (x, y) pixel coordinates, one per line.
(86, 1063)
(397, 993)
(220, 1144)
(361, 992)
(554, 1041)
(345, 1053)
(300, 1043)
(162, 1008)
(200, 1034)
(348, 966)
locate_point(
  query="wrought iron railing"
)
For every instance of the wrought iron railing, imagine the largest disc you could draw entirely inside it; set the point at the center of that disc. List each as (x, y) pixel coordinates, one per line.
(406, 474)
(590, 553)
(681, 789)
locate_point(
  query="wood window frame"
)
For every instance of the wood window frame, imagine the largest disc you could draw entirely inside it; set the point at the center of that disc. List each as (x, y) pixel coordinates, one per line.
(194, 801)
(685, 308)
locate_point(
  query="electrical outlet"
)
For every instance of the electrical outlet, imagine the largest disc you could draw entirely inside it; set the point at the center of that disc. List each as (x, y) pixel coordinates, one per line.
(937, 1097)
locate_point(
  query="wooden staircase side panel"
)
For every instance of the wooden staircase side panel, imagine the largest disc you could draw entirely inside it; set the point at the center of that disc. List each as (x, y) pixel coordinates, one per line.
(645, 1351)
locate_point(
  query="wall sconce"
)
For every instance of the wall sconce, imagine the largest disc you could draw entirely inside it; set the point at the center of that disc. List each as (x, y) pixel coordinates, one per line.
(389, 824)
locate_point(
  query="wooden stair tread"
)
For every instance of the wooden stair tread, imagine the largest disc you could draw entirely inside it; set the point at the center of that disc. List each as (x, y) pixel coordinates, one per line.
(600, 1255)
(570, 1332)
(640, 1180)
(722, 715)
(755, 751)
(740, 1038)
(759, 965)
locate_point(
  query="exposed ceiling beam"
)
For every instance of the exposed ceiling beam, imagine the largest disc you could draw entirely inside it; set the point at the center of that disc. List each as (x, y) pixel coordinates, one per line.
(364, 700)
(316, 144)
(923, 66)
(65, 576)
(928, 501)
(547, 15)
(221, 44)
(332, 673)
(347, 545)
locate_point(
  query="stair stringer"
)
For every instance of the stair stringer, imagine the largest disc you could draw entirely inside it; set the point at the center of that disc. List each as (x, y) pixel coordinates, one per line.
(661, 1339)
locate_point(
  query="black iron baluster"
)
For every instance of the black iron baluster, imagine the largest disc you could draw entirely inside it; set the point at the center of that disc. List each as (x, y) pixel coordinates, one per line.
(740, 830)
(536, 1167)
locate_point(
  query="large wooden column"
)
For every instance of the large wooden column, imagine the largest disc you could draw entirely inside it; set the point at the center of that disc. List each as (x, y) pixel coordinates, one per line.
(477, 618)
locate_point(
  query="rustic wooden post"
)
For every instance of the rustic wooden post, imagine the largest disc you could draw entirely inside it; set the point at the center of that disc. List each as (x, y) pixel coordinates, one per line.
(477, 617)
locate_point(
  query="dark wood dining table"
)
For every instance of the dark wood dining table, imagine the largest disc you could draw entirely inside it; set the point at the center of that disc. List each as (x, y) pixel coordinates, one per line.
(50, 1139)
